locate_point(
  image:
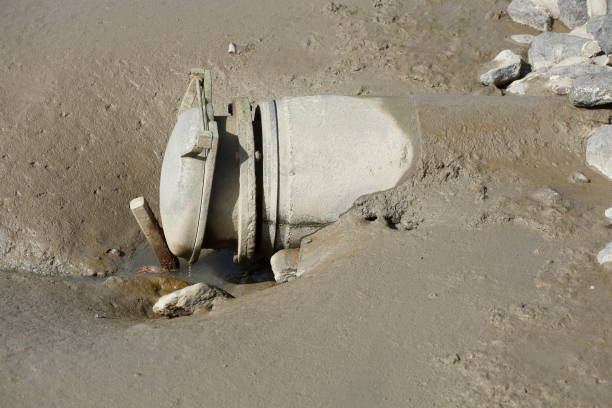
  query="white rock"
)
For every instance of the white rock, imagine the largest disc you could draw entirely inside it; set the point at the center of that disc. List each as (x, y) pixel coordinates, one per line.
(597, 7)
(503, 69)
(231, 48)
(532, 13)
(573, 12)
(579, 177)
(599, 150)
(591, 49)
(284, 264)
(551, 48)
(581, 31)
(524, 39)
(608, 214)
(559, 79)
(592, 90)
(605, 255)
(187, 300)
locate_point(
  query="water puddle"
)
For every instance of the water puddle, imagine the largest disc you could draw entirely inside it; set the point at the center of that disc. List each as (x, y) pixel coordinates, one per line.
(214, 267)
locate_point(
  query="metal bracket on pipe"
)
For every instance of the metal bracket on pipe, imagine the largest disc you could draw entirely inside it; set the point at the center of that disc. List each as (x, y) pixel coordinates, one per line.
(199, 91)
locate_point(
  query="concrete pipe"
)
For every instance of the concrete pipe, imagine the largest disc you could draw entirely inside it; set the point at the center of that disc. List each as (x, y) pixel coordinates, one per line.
(287, 167)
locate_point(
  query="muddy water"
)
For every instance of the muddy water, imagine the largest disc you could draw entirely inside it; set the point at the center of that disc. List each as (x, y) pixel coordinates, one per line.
(214, 267)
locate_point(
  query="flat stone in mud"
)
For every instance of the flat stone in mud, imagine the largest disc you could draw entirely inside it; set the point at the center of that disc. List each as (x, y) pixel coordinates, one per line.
(600, 27)
(599, 150)
(547, 196)
(523, 39)
(548, 49)
(284, 264)
(531, 13)
(503, 69)
(573, 13)
(592, 90)
(185, 301)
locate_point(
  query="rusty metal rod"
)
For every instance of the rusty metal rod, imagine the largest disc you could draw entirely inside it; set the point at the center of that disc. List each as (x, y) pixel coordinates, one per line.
(154, 234)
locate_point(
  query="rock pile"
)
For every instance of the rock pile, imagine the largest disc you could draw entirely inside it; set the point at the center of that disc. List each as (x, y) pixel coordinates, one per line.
(577, 63)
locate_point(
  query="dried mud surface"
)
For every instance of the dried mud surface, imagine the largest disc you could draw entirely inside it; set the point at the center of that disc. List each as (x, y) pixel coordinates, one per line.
(455, 289)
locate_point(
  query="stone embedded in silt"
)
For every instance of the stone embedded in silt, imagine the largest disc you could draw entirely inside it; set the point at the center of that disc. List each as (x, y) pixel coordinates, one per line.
(503, 69)
(284, 264)
(185, 301)
(605, 255)
(531, 13)
(592, 90)
(599, 150)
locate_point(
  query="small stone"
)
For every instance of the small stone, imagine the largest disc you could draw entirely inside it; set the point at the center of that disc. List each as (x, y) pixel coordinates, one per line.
(578, 177)
(505, 68)
(185, 301)
(114, 252)
(100, 316)
(548, 49)
(608, 214)
(573, 13)
(599, 150)
(231, 49)
(605, 255)
(601, 29)
(524, 39)
(284, 264)
(592, 90)
(531, 13)
(547, 196)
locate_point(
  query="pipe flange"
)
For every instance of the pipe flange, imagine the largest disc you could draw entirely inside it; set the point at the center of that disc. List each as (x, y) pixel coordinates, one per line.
(247, 205)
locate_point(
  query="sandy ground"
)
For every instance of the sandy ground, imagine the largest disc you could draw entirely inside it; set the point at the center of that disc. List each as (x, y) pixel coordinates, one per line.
(492, 300)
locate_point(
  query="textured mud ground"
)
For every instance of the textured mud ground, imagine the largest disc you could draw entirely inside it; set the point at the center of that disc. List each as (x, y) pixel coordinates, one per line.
(461, 291)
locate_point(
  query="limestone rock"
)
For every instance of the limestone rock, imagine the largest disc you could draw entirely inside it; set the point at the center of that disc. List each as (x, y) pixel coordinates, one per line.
(284, 264)
(573, 13)
(531, 13)
(548, 49)
(605, 255)
(599, 150)
(558, 80)
(524, 39)
(592, 90)
(598, 7)
(608, 214)
(503, 69)
(185, 301)
(601, 29)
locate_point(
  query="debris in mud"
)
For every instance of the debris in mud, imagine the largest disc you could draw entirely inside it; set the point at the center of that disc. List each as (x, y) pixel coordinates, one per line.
(608, 214)
(231, 48)
(284, 264)
(578, 177)
(547, 196)
(523, 39)
(599, 150)
(605, 255)
(503, 69)
(185, 301)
